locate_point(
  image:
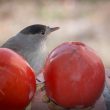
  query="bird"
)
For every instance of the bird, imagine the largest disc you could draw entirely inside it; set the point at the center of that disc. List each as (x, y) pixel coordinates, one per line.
(30, 44)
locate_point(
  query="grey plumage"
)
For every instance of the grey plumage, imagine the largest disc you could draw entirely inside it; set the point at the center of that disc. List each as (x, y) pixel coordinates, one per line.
(30, 43)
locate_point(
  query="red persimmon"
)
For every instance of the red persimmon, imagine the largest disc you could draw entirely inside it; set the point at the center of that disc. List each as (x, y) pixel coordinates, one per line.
(74, 75)
(17, 81)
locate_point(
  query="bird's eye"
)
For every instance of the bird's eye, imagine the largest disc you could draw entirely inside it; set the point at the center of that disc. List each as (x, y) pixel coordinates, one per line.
(42, 32)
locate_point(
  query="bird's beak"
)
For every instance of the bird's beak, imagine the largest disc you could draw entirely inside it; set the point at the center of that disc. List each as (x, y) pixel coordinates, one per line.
(54, 29)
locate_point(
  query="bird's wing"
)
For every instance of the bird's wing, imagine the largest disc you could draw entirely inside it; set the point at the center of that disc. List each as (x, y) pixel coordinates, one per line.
(12, 44)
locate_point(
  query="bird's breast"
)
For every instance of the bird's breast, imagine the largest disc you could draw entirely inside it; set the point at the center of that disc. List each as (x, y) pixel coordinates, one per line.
(37, 58)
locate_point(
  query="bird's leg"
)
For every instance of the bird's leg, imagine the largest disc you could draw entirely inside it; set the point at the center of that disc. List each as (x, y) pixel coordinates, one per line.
(41, 86)
(40, 81)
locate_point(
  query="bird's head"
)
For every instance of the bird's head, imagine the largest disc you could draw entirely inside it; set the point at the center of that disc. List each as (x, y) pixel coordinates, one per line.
(38, 30)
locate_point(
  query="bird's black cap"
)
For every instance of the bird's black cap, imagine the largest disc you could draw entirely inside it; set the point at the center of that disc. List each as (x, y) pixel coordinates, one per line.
(34, 29)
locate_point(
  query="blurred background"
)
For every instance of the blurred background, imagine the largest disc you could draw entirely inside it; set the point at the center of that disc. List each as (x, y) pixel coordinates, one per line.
(87, 21)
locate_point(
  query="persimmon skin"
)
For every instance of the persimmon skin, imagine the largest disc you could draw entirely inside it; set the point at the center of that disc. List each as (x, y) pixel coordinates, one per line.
(17, 81)
(74, 75)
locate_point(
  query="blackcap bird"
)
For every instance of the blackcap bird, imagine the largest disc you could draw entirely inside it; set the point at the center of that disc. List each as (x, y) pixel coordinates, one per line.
(30, 43)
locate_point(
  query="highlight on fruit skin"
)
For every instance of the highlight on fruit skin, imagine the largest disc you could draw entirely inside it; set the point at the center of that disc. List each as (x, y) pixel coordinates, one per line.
(17, 81)
(74, 75)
